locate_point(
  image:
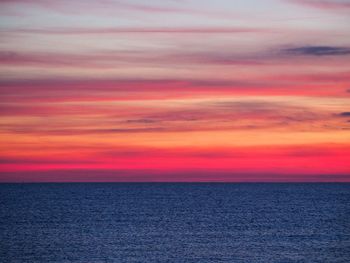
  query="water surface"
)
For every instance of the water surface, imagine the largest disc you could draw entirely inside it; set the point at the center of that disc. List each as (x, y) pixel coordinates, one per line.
(174, 222)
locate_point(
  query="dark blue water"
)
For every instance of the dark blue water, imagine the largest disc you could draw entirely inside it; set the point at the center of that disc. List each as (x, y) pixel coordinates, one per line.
(174, 222)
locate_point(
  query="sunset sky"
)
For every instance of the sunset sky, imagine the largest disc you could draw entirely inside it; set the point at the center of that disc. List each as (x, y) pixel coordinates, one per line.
(174, 90)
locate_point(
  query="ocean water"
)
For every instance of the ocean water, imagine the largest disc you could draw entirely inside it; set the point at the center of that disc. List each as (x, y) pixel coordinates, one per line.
(174, 222)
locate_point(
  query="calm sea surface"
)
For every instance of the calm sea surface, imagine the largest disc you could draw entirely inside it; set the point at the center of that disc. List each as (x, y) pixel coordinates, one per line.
(174, 222)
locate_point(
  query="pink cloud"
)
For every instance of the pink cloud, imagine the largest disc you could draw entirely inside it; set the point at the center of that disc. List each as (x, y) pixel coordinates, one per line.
(123, 30)
(108, 7)
(65, 90)
(324, 4)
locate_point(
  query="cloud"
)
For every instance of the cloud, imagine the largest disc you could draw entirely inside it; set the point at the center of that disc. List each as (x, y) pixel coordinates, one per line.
(345, 114)
(76, 131)
(114, 59)
(317, 77)
(85, 89)
(47, 59)
(324, 4)
(162, 116)
(143, 121)
(107, 7)
(318, 51)
(145, 30)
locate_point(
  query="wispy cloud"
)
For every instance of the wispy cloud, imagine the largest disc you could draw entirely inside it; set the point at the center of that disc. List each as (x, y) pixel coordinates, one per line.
(345, 114)
(80, 119)
(318, 51)
(324, 4)
(110, 7)
(169, 56)
(125, 30)
(112, 59)
(99, 90)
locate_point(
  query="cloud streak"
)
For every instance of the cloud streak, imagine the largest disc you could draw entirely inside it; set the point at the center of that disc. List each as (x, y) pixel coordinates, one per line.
(318, 51)
(324, 4)
(110, 7)
(165, 116)
(345, 114)
(100, 90)
(139, 30)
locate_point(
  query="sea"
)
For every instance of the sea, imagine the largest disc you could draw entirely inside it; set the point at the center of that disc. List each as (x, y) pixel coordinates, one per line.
(175, 222)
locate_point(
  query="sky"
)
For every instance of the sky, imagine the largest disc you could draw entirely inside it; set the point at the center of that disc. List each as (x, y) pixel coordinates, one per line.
(174, 90)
